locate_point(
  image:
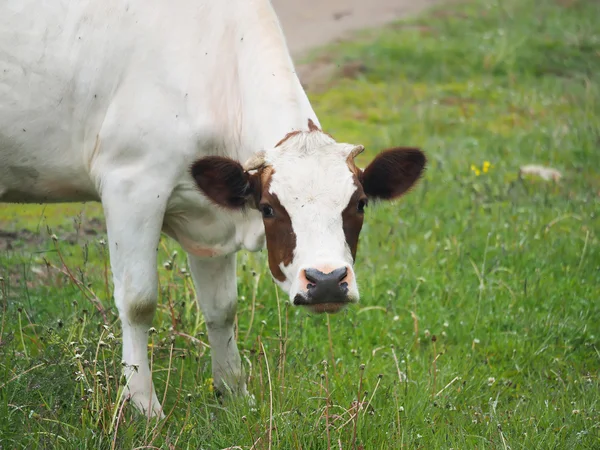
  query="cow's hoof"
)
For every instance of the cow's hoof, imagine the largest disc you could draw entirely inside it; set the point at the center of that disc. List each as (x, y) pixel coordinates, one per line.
(145, 404)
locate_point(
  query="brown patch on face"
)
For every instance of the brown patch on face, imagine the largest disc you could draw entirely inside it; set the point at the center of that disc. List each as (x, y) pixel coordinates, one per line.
(352, 217)
(280, 236)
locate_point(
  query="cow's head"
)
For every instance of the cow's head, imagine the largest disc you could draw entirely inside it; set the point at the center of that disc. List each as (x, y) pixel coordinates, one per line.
(313, 199)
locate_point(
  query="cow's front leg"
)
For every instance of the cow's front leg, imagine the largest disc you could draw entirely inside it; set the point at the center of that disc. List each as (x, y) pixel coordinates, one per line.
(134, 215)
(216, 289)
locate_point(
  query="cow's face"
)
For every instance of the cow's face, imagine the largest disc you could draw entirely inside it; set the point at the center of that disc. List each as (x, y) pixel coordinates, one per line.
(313, 200)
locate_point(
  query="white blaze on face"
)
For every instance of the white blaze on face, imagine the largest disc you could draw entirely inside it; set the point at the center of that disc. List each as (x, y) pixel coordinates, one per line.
(314, 184)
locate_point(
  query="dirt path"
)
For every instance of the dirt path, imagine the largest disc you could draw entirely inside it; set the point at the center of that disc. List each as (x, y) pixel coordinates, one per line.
(311, 23)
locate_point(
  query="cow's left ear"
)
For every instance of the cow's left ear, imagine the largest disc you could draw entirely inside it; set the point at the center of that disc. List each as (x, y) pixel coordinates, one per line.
(392, 173)
(225, 182)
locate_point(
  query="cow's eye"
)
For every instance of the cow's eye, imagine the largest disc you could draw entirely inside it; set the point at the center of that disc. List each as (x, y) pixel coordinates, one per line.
(267, 211)
(362, 204)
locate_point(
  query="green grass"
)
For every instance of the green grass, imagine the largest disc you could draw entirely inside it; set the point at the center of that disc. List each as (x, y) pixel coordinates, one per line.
(503, 271)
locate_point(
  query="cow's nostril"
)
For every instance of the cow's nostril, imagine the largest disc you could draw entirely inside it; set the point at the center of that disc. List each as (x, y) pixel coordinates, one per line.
(316, 278)
(312, 275)
(341, 273)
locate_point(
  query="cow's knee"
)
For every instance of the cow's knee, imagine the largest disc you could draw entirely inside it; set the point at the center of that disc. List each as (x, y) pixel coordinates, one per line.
(137, 305)
(220, 316)
(140, 310)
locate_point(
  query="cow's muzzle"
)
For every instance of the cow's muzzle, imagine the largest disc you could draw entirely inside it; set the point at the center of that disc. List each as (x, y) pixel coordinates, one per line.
(324, 292)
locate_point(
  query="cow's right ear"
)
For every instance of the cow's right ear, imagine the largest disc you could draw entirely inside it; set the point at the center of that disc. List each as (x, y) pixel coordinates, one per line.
(225, 182)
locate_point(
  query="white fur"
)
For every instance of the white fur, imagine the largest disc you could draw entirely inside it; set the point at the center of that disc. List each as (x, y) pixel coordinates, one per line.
(112, 101)
(314, 184)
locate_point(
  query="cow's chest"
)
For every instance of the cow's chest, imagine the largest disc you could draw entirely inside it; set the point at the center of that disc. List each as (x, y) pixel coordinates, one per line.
(207, 234)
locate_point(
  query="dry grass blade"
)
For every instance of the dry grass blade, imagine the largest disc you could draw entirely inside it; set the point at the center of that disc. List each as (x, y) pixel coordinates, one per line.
(270, 435)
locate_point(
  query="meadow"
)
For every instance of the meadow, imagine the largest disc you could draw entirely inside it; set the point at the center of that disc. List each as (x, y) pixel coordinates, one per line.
(479, 322)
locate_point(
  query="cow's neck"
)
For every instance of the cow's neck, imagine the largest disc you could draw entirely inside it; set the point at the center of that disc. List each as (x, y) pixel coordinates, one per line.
(273, 101)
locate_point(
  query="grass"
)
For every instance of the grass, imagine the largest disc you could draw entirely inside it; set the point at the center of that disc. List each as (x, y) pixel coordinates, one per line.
(479, 323)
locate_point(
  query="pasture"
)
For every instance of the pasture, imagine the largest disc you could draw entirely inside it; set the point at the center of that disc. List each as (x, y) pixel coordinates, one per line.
(479, 320)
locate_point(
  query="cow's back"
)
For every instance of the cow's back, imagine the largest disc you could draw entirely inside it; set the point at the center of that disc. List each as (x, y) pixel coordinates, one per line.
(56, 80)
(63, 67)
(73, 74)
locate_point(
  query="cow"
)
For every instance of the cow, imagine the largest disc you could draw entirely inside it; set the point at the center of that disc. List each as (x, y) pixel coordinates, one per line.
(187, 119)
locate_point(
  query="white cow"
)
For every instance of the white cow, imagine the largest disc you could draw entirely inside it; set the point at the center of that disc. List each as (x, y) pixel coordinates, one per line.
(149, 106)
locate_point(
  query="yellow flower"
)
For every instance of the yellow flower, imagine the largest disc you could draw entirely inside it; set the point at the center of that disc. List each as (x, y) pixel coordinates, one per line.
(484, 168)
(209, 384)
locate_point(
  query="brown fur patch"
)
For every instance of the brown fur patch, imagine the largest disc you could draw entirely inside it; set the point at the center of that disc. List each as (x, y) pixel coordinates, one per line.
(312, 126)
(287, 136)
(352, 219)
(280, 236)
